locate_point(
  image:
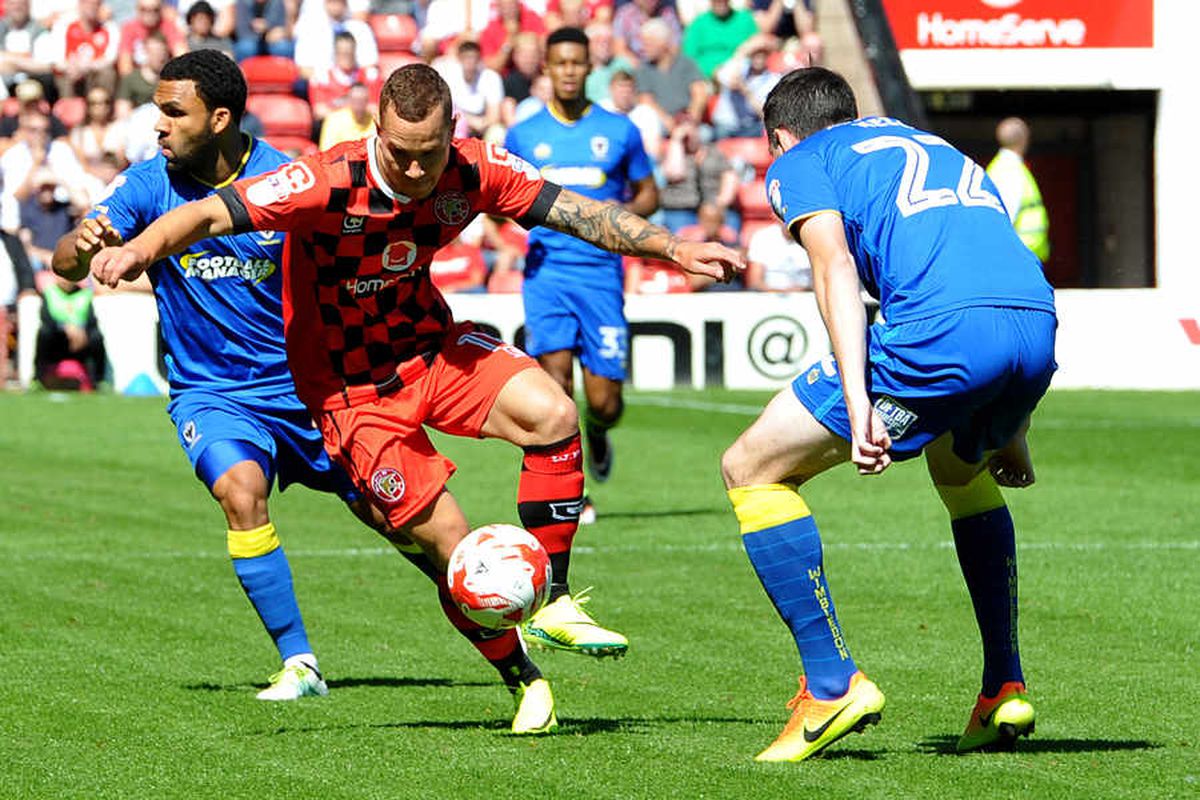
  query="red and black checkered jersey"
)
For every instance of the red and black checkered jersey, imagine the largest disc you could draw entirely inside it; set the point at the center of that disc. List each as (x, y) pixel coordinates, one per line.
(357, 300)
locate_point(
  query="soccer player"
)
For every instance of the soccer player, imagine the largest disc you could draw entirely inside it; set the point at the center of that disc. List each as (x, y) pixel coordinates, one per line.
(233, 401)
(966, 352)
(573, 291)
(372, 345)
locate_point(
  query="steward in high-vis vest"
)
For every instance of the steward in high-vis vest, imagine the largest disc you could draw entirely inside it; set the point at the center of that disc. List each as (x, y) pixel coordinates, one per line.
(1018, 190)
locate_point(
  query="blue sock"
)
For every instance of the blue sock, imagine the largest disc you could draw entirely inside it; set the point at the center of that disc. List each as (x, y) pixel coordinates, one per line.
(787, 556)
(267, 581)
(987, 554)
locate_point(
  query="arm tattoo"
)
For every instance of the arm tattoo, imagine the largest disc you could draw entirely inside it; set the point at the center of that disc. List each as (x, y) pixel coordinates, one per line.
(610, 227)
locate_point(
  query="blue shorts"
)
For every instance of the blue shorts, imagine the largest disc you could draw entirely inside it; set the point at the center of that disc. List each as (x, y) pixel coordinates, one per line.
(562, 315)
(975, 372)
(218, 430)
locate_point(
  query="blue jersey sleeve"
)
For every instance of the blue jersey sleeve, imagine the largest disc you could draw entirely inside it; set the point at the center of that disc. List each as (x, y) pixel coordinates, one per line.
(128, 204)
(798, 186)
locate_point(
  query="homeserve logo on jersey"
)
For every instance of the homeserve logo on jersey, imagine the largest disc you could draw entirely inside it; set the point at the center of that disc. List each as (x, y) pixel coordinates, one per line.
(397, 257)
(211, 268)
(1008, 30)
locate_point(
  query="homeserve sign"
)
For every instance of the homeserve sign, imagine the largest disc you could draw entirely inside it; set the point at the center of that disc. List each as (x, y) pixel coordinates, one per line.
(1009, 30)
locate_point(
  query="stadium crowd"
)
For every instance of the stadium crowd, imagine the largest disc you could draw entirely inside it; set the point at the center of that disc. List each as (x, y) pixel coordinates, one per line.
(77, 80)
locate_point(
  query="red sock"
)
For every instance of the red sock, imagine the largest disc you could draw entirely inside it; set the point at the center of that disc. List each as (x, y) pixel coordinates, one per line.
(495, 646)
(550, 495)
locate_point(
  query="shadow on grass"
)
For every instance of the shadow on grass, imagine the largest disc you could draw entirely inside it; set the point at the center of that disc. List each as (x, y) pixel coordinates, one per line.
(343, 683)
(585, 726)
(944, 745)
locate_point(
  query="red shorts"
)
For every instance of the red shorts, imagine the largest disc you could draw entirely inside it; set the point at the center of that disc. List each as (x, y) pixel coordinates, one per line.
(382, 443)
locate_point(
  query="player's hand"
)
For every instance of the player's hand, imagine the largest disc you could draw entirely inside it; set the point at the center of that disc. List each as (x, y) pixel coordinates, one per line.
(94, 235)
(709, 258)
(869, 443)
(114, 264)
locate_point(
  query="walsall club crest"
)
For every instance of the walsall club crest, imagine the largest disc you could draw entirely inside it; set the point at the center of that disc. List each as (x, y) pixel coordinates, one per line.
(387, 484)
(452, 208)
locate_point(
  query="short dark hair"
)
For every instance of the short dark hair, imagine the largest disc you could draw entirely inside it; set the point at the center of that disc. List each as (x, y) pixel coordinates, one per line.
(622, 75)
(219, 81)
(414, 91)
(570, 35)
(808, 100)
(200, 7)
(467, 45)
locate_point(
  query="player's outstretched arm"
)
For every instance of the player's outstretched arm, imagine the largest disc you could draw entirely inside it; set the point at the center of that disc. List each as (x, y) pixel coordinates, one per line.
(611, 227)
(166, 236)
(836, 286)
(73, 253)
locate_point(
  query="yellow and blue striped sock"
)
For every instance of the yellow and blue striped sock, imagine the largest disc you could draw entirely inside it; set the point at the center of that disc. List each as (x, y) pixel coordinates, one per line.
(986, 545)
(784, 547)
(266, 577)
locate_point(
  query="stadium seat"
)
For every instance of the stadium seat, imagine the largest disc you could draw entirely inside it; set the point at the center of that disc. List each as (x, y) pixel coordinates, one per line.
(752, 150)
(752, 200)
(390, 62)
(394, 33)
(300, 145)
(270, 74)
(70, 110)
(281, 115)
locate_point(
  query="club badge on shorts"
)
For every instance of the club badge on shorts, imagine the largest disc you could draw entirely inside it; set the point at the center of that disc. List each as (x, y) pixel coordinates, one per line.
(387, 484)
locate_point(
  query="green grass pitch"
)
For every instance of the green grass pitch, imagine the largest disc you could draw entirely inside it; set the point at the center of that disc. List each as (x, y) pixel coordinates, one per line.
(129, 657)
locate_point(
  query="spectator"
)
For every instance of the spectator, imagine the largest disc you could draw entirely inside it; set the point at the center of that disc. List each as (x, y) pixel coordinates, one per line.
(776, 262)
(668, 81)
(449, 21)
(83, 50)
(314, 39)
(695, 174)
(628, 25)
(31, 97)
(623, 98)
(744, 82)
(498, 41)
(149, 20)
(459, 267)
(16, 281)
(714, 36)
(224, 14)
(791, 21)
(1018, 190)
(329, 89)
(525, 67)
(262, 29)
(351, 122)
(577, 13)
(605, 63)
(45, 215)
(18, 34)
(70, 350)
(100, 134)
(32, 150)
(539, 96)
(137, 88)
(200, 36)
(476, 90)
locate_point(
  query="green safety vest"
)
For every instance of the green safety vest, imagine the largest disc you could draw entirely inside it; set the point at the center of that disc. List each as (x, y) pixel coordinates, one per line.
(1031, 222)
(68, 308)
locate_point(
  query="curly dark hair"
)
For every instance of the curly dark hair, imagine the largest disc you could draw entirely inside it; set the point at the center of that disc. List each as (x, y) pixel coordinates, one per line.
(219, 80)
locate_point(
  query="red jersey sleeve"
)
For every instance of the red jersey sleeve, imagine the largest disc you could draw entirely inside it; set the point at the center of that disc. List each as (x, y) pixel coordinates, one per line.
(511, 187)
(286, 199)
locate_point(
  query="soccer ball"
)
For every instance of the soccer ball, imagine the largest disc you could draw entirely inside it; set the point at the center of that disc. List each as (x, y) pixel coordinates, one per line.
(499, 576)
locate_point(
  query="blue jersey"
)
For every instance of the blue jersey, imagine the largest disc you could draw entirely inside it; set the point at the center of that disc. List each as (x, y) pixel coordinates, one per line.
(219, 302)
(923, 221)
(598, 155)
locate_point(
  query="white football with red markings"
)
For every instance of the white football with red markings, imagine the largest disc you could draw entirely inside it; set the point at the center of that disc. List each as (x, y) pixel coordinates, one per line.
(499, 576)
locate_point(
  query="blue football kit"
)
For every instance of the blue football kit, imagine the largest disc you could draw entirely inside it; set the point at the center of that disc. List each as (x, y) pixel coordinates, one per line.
(574, 291)
(966, 343)
(220, 311)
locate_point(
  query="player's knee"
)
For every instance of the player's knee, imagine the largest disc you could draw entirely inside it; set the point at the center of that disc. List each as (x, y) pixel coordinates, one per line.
(244, 503)
(735, 470)
(607, 410)
(557, 417)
